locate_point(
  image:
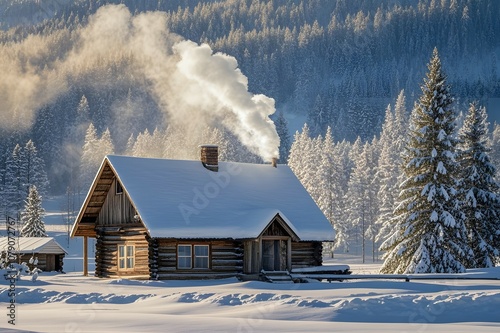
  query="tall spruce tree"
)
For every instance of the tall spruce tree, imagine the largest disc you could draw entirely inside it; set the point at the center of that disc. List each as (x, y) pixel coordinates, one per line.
(495, 148)
(34, 169)
(387, 174)
(15, 182)
(392, 142)
(89, 160)
(329, 189)
(31, 216)
(285, 141)
(479, 190)
(361, 197)
(430, 234)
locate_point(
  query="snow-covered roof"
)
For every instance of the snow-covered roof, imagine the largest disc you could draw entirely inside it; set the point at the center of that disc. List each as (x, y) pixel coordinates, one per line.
(182, 199)
(47, 245)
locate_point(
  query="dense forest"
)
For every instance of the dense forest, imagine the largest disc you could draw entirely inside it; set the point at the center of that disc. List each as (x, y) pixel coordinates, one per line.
(332, 63)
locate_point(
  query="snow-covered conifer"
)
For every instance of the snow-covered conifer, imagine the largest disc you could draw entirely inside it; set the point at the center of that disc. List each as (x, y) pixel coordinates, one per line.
(90, 159)
(361, 197)
(429, 234)
(392, 141)
(330, 193)
(400, 126)
(106, 146)
(285, 141)
(34, 169)
(495, 149)
(387, 175)
(31, 217)
(479, 190)
(296, 160)
(15, 189)
(130, 144)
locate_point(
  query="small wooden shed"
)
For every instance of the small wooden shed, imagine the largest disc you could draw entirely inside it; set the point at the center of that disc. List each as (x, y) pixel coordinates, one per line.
(48, 252)
(175, 219)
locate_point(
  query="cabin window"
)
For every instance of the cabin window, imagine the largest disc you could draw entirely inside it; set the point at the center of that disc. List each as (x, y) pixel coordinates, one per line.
(201, 256)
(184, 256)
(118, 187)
(126, 254)
(192, 256)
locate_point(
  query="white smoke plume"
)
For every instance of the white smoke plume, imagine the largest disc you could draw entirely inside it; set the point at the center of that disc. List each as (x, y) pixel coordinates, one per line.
(192, 85)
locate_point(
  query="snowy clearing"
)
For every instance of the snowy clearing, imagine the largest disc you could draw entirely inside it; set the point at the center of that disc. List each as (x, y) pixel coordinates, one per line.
(73, 303)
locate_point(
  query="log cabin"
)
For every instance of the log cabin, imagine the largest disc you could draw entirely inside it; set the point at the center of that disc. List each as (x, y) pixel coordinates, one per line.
(47, 251)
(184, 219)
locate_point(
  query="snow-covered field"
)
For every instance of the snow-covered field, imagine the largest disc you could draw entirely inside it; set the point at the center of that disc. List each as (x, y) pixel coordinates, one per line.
(73, 303)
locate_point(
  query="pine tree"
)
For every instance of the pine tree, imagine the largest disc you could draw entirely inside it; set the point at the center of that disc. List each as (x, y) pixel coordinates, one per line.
(392, 142)
(479, 190)
(106, 146)
(387, 175)
(362, 197)
(374, 184)
(31, 217)
(285, 141)
(15, 180)
(495, 148)
(82, 120)
(317, 117)
(90, 160)
(301, 147)
(330, 193)
(430, 234)
(34, 168)
(73, 144)
(130, 145)
(400, 127)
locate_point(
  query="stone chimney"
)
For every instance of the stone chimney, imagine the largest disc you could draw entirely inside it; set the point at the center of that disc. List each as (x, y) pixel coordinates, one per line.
(209, 157)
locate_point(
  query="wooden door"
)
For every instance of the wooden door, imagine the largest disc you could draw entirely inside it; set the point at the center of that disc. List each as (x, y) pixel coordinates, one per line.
(274, 254)
(50, 263)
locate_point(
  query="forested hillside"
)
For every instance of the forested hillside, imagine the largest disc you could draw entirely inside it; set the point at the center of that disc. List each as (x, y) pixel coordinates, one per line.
(334, 63)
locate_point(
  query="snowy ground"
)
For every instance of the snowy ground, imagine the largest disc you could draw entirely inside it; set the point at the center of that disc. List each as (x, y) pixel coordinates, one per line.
(73, 303)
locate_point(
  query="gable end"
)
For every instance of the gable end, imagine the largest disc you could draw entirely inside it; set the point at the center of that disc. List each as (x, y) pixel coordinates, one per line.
(278, 227)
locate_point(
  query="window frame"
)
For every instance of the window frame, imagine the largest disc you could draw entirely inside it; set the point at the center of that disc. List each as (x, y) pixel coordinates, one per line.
(200, 256)
(190, 256)
(125, 257)
(193, 256)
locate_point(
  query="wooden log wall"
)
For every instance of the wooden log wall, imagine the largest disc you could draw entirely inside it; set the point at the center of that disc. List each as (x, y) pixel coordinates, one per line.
(306, 254)
(106, 253)
(61, 262)
(117, 208)
(42, 260)
(225, 259)
(252, 257)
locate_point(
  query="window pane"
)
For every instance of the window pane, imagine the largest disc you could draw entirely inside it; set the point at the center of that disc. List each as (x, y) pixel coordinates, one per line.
(184, 250)
(119, 189)
(121, 263)
(130, 262)
(201, 250)
(201, 262)
(130, 251)
(184, 262)
(121, 251)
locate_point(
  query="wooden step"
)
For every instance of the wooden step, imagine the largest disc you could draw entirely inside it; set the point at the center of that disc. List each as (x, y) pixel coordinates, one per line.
(277, 276)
